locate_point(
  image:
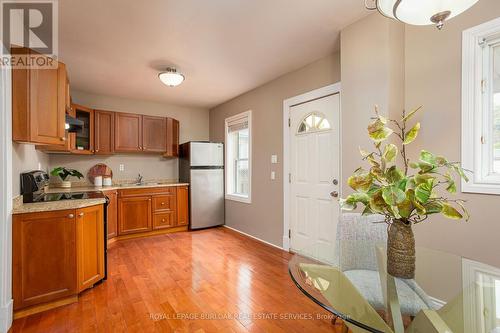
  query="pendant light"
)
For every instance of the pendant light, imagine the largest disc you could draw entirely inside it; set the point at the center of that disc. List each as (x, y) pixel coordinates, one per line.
(171, 77)
(422, 12)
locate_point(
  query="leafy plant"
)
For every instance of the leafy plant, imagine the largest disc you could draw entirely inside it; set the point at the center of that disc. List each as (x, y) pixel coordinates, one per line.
(64, 173)
(409, 193)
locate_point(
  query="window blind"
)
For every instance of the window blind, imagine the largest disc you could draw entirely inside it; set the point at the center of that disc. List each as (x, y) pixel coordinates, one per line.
(237, 125)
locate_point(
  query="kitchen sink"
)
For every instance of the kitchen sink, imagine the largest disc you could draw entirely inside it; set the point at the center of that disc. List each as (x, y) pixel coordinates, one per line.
(139, 184)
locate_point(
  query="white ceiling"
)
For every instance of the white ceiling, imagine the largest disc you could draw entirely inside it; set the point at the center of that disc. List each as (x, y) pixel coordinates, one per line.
(224, 47)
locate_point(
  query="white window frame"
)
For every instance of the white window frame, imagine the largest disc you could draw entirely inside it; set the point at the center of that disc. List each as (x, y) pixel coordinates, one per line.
(475, 88)
(229, 178)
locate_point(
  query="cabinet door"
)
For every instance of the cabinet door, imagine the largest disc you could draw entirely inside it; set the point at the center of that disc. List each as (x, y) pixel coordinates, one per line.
(128, 132)
(44, 257)
(104, 128)
(134, 215)
(154, 131)
(172, 149)
(182, 205)
(90, 245)
(85, 137)
(112, 213)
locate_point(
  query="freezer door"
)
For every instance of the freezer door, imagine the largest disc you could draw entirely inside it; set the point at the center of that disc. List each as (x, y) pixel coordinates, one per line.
(207, 154)
(207, 198)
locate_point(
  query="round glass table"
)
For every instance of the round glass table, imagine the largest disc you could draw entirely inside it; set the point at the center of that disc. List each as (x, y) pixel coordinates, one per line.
(448, 294)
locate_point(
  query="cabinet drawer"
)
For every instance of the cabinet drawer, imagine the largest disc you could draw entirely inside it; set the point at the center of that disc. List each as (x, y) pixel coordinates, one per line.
(163, 203)
(146, 191)
(163, 220)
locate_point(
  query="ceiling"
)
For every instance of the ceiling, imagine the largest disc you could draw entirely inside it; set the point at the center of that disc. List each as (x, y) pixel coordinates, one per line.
(224, 47)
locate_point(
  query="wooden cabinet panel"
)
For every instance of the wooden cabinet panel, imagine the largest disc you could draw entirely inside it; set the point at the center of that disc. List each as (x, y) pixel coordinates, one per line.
(90, 240)
(134, 215)
(104, 130)
(164, 202)
(85, 138)
(146, 191)
(164, 220)
(154, 131)
(172, 149)
(38, 104)
(128, 132)
(182, 205)
(112, 213)
(44, 257)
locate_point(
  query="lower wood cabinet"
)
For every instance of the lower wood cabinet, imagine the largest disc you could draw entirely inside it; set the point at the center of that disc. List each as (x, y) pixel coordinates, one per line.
(56, 254)
(134, 215)
(112, 217)
(90, 251)
(182, 205)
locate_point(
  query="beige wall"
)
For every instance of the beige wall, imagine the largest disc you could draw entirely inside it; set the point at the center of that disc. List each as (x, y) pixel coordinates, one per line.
(263, 218)
(193, 126)
(26, 158)
(433, 79)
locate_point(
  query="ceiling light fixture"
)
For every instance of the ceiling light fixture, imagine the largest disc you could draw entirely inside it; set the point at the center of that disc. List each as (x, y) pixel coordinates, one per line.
(421, 12)
(171, 77)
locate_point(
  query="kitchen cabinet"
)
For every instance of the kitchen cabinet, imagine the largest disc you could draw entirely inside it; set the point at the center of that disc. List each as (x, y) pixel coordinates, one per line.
(182, 205)
(164, 209)
(112, 213)
(90, 246)
(104, 131)
(134, 214)
(56, 255)
(154, 131)
(44, 257)
(38, 104)
(84, 138)
(172, 136)
(128, 132)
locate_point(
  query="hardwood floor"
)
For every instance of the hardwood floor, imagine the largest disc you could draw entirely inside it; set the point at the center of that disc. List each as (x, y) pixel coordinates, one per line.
(167, 283)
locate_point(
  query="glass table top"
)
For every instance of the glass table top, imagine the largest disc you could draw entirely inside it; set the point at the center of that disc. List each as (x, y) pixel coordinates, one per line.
(448, 294)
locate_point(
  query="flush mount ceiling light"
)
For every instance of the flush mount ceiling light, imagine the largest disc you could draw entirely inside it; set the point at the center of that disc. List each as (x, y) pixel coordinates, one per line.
(171, 77)
(421, 12)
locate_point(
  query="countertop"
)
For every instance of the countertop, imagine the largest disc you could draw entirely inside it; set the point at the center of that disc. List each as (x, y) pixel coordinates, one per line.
(21, 208)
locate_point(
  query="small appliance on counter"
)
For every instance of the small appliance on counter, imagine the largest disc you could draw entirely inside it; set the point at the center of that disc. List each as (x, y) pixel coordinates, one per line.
(201, 164)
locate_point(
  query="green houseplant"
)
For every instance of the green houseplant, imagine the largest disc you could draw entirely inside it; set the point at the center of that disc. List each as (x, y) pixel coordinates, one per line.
(405, 192)
(63, 173)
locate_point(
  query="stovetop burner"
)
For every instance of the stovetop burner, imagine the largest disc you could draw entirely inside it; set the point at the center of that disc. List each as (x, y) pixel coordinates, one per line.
(48, 197)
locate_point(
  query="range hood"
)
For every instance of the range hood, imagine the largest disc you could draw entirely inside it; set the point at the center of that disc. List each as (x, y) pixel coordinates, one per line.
(73, 125)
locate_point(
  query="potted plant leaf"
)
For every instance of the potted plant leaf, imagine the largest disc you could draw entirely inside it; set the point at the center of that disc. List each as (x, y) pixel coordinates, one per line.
(405, 192)
(63, 173)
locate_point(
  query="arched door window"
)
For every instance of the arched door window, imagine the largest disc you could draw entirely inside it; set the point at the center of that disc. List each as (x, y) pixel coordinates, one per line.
(313, 122)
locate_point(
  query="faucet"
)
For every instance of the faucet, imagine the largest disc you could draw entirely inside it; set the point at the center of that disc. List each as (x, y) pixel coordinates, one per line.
(139, 179)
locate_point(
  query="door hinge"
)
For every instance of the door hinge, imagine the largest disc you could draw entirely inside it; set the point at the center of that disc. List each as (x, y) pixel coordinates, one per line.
(289, 122)
(290, 178)
(289, 233)
(483, 140)
(483, 86)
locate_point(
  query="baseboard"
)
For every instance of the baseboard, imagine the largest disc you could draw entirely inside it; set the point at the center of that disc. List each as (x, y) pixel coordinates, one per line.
(253, 237)
(6, 315)
(437, 303)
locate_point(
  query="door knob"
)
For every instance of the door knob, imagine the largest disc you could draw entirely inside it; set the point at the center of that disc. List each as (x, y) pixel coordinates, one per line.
(335, 182)
(334, 194)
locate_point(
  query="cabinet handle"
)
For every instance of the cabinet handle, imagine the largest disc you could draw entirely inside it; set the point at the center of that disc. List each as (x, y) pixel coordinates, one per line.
(63, 138)
(96, 151)
(149, 199)
(163, 204)
(163, 220)
(80, 214)
(70, 216)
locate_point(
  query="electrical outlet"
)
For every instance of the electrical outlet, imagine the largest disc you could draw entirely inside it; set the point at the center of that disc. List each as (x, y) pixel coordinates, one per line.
(122, 167)
(274, 159)
(273, 175)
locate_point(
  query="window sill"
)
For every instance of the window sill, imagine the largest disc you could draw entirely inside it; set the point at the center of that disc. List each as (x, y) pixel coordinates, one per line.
(479, 188)
(239, 198)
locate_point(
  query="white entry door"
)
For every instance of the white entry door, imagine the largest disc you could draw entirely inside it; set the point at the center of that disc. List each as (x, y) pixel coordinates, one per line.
(314, 179)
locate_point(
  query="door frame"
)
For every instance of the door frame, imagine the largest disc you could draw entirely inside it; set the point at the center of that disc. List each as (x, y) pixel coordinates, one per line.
(6, 302)
(331, 89)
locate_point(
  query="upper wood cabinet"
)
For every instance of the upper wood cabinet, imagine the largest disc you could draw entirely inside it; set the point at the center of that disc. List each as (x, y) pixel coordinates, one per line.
(90, 251)
(85, 137)
(44, 257)
(38, 104)
(172, 149)
(128, 132)
(104, 131)
(154, 131)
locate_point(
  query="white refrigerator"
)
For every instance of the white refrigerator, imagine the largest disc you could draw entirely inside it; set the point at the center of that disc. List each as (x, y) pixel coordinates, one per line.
(201, 164)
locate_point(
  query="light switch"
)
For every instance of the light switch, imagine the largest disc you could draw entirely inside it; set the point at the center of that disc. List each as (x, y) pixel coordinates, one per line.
(273, 175)
(274, 159)
(122, 167)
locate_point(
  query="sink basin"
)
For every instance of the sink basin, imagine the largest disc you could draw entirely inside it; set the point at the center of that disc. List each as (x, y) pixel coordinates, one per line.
(139, 184)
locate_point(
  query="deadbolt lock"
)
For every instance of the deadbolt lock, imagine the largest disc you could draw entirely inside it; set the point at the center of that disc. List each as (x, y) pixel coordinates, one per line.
(335, 182)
